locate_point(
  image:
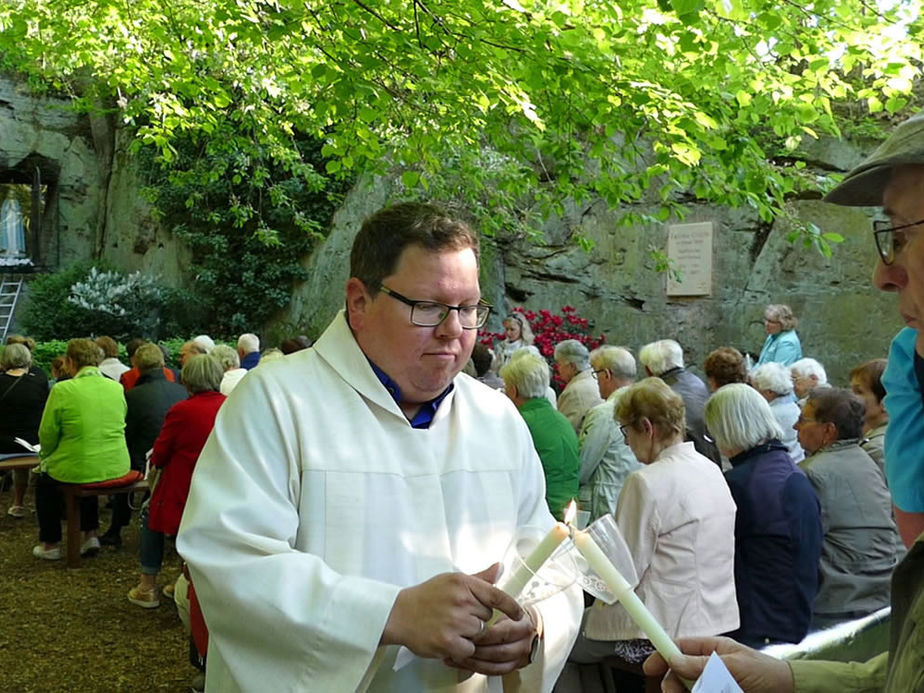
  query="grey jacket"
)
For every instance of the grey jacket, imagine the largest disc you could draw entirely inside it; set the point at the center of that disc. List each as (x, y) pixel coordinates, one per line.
(861, 542)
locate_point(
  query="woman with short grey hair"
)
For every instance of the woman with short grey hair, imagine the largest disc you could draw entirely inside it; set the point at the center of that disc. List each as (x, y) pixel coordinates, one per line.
(774, 383)
(22, 400)
(202, 373)
(176, 450)
(778, 530)
(782, 344)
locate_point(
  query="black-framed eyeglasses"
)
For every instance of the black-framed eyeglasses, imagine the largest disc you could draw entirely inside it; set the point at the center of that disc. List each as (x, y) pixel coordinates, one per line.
(432, 313)
(886, 243)
(623, 428)
(596, 374)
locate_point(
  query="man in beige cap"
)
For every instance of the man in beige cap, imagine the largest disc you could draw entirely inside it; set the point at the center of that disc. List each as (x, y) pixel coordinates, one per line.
(893, 178)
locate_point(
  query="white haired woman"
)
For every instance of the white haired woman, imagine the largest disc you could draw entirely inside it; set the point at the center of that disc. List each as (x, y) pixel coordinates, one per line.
(773, 381)
(782, 344)
(778, 530)
(678, 519)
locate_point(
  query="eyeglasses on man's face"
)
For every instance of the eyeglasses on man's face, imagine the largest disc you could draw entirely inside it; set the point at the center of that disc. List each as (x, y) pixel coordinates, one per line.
(890, 239)
(432, 313)
(597, 373)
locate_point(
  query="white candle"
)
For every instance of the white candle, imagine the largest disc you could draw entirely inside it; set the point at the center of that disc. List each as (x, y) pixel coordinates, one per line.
(532, 563)
(626, 595)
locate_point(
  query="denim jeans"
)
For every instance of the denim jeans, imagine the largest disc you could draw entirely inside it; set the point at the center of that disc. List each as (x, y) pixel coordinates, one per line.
(151, 547)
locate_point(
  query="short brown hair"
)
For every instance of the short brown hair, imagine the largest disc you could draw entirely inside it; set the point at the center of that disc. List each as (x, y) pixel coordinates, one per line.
(725, 366)
(384, 236)
(652, 399)
(109, 346)
(870, 374)
(840, 407)
(83, 353)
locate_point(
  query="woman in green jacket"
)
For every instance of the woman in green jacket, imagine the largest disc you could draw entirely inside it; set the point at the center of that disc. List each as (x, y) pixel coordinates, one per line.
(82, 436)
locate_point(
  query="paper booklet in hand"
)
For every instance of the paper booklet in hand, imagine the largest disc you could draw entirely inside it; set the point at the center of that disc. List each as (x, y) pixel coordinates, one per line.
(28, 446)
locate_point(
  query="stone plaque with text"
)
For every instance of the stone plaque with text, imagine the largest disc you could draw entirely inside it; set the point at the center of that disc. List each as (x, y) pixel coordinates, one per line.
(689, 250)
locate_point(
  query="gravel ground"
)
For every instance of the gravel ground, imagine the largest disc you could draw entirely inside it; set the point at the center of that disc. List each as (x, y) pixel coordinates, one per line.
(74, 630)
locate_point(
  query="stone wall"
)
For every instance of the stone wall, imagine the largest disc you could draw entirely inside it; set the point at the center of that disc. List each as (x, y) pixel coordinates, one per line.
(843, 319)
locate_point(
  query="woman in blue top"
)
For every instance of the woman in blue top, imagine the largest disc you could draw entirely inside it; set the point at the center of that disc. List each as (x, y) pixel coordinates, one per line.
(782, 344)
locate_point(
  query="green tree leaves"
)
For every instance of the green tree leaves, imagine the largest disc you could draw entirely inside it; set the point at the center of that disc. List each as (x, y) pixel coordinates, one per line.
(569, 98)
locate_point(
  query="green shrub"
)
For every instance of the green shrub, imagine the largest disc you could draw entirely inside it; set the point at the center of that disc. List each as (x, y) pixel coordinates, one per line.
(45, 352)
(46, 313)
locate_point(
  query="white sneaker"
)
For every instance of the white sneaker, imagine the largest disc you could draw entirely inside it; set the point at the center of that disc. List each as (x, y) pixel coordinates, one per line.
(90, 547)
(47, 554)
(16, 511)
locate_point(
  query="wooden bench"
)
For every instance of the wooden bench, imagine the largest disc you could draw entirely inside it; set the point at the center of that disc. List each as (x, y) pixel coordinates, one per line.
(19, 462)
(73, 492)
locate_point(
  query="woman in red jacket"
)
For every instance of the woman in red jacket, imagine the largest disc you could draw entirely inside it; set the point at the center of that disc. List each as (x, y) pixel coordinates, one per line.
(185, 430)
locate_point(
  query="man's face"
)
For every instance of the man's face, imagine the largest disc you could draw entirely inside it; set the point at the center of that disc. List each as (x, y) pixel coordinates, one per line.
(605, 381)
(903, 202)
(422, 360)
(566, 371)
(811, 432)
(186, 351)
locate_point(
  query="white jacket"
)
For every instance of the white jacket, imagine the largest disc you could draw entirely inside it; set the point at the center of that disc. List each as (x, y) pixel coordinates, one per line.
(677, 516)
(314, 502)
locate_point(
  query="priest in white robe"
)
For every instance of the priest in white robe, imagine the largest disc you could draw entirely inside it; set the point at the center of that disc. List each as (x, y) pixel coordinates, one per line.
(353, 497)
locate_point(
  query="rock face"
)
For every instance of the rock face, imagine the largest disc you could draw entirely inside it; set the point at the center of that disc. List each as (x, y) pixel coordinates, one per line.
(843, 319)
(94, 209)
(45, 134)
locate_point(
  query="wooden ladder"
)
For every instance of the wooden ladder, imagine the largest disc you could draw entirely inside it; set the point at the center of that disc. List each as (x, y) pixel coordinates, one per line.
(9, 295)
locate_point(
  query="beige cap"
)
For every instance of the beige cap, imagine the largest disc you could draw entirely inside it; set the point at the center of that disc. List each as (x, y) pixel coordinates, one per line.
(864, 185)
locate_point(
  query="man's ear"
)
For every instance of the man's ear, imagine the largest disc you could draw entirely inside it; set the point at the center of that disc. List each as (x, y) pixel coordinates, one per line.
(357, 302)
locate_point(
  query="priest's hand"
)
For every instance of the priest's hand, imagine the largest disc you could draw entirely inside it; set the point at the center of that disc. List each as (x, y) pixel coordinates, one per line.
(754, 671)
(505, 646)
(440, 618)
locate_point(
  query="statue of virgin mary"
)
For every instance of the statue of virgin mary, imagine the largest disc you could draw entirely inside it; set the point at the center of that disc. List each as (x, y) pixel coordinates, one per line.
(12, 231)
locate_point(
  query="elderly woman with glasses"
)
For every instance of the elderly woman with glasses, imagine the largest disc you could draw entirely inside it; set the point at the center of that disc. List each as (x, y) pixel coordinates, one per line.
(678, 519)
(778, 526)
(861, 542)
(782, 344)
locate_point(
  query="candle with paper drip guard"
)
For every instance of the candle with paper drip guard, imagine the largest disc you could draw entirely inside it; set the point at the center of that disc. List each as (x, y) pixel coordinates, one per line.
(517, 582)
(624, 593)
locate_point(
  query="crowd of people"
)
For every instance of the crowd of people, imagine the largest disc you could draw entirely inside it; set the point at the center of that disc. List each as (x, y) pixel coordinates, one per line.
(351, 502)
(99, 420)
